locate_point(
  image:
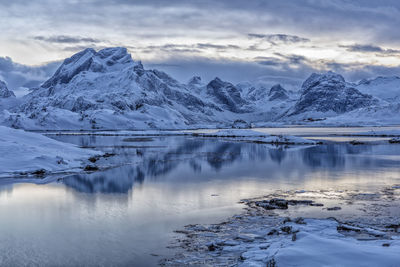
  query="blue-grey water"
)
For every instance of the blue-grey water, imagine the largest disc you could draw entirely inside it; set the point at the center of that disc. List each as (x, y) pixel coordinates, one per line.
(126, 215)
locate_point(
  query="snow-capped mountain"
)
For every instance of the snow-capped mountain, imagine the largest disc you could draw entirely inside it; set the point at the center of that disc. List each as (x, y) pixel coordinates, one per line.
(4, 92)
(109, 90)
(329, 94)
(277, 92)
(7, 98)
(226, 95)
(386, 88)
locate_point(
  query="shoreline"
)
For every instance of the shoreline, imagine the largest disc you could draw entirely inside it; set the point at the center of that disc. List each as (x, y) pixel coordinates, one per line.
(299, 228)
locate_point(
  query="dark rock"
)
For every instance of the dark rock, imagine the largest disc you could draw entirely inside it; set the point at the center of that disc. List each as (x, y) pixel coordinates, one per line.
(317, 204)
(273, 232)
(294, 237)
(212, 247)
(91, 168)
(395, 140)
(39, 173)
(299, 220)
(355, 143)
(93, 159)
(286, 220)
(347, 228)
(286, 229)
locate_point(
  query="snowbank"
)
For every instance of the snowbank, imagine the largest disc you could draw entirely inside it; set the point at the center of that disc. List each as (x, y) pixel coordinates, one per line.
(390, 133)
(259, 137)
(271, 233)
(29, 152)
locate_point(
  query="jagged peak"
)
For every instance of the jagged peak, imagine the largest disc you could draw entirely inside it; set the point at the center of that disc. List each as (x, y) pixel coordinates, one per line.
(107, 59)
(217, 82)
(276, 88)
(277, 92)
(318, 78)
(195, 80)
(4, 91)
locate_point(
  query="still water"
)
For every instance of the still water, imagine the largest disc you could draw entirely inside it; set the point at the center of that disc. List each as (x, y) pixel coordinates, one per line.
(126, 215)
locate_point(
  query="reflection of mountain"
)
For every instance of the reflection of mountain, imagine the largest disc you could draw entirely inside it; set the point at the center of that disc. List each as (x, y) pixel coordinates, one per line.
(330, 156)
(277, 155)
(117, 180)
(199, 155)
(194, 153)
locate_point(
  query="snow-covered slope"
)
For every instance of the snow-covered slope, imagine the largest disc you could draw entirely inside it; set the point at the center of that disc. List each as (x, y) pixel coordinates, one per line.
(108, 90)
(330, 93)
(226, 95)
(277, 92)
(7, 98)
(386, 88)
(4, 92)
(29, 152)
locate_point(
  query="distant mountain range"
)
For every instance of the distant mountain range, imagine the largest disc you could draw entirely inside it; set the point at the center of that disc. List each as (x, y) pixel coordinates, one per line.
(109, 90)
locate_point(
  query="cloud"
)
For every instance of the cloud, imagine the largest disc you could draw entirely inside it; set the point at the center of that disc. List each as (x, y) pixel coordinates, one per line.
(18, 75)
(64, 39)
(275, 39)
(369, 48)
(215, 46)
(235, 35)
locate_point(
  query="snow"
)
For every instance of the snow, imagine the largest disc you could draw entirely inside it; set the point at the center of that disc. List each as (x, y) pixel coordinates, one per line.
(279, 237)
(236, 133)
(109, 90)
(29, 152)
(386, 88)
(318, 243)
(391, 133)
(259, 137)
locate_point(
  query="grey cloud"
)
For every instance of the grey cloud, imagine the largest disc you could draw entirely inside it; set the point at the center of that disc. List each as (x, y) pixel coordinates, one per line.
(222, 47)
(64, 39)
(18, 75)
(368, 48)
(293, 59)
(279, 38)
(269, 61)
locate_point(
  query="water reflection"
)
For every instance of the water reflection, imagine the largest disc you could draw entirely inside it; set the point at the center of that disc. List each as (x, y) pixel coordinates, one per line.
(184, 159)
(122, 216)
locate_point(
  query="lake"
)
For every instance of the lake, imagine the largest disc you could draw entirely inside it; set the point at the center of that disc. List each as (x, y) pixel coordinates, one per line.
(126, 215)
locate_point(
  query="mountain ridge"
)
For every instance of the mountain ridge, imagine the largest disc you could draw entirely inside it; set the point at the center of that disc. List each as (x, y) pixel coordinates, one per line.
(107, 89)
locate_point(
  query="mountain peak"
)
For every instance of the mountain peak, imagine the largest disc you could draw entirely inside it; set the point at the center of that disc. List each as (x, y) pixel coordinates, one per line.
(195, 80)
(105, 60)
(277, 92)
(329, 92)
(4, 92)
(318, 78)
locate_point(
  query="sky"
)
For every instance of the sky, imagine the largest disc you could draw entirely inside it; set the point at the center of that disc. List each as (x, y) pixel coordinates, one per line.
(237, 40)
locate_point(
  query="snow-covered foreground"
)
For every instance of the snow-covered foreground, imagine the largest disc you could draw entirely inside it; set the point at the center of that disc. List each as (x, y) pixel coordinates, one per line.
(259, 137)
(26, 152)
(271, 233)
